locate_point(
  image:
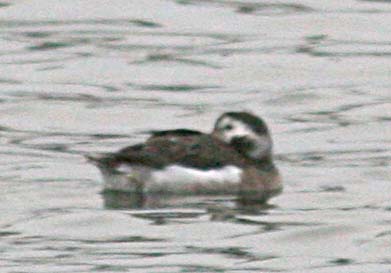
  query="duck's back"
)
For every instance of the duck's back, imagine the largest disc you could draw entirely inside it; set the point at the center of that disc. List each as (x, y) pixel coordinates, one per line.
(199, 151)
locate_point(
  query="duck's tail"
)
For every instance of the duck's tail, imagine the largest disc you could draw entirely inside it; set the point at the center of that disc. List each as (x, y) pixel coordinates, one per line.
(101, 160)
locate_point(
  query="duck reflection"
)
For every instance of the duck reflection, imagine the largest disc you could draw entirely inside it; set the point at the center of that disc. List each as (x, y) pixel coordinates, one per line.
(125, 200)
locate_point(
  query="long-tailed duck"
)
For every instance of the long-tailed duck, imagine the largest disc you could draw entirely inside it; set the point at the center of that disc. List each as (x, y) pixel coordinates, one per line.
(236, 158)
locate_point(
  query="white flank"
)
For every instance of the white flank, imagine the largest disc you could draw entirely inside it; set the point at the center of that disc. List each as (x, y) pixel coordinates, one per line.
(180, 179)
(185, 175)
(174, 178)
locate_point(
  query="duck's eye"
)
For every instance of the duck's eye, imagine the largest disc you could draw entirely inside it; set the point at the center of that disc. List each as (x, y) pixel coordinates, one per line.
(228, 127)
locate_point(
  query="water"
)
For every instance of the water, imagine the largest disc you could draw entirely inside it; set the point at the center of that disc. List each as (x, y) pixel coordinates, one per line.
(90, 76)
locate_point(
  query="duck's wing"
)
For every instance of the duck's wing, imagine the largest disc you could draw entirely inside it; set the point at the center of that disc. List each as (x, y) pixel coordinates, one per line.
(200, 151)
(175, 132)
(139, 154)
(150, 153)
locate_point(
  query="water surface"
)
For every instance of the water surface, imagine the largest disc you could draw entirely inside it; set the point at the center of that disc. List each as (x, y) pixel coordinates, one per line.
(90, 76)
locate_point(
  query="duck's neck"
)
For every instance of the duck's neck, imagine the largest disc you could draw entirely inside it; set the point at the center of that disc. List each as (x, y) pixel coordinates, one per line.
(263, 163)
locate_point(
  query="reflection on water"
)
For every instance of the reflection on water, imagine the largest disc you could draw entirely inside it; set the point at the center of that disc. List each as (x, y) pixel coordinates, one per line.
(94, 76)
(126, 200)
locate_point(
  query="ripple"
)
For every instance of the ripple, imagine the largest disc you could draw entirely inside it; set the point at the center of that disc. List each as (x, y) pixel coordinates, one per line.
(323, 46)
(130, 239)
(174, 88)
(94, 22)
(8, 233)
(165, 46)
(377, 1)
(339, 158)
(249, 7)
(50, 46)
(272, 9)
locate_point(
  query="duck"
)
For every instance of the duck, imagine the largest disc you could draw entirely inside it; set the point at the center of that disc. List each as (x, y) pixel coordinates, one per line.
(236, 158)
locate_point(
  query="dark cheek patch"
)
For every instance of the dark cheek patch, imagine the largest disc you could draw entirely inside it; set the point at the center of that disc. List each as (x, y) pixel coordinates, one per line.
(242, 144)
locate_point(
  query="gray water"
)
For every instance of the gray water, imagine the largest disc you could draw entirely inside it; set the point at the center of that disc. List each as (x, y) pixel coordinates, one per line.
(92, 76)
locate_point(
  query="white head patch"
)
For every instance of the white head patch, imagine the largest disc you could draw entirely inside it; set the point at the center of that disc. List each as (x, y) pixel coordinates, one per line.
(230, 128)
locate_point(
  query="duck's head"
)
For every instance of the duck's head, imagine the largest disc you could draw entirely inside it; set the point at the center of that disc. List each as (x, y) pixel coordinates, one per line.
(246, 132)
